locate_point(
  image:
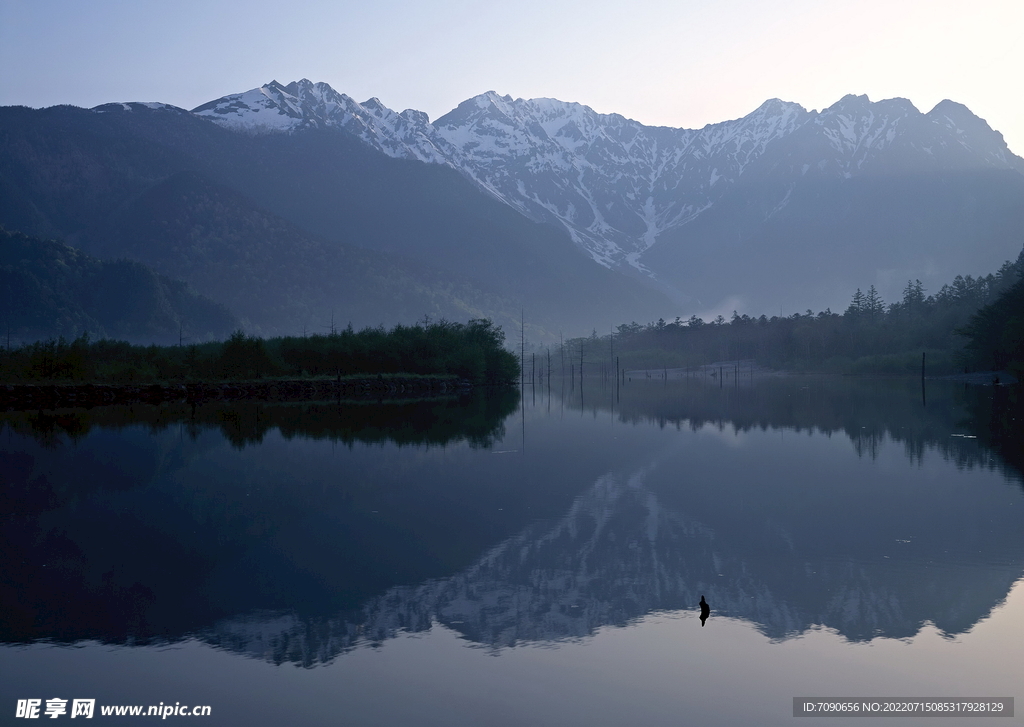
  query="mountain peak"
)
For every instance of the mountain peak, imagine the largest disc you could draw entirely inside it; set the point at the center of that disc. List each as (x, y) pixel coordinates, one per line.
(850, 103)
(495, 97)
(494, 101)
(898, 104)
(958, 115)
(471, 108)
(963, 121)
(973, 134)
(776, 105)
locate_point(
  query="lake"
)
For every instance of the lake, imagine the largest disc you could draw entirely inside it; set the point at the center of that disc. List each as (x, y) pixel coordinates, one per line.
(510, 560)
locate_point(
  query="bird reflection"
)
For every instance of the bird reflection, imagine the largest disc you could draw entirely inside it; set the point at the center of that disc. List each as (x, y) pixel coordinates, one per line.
(705, 611)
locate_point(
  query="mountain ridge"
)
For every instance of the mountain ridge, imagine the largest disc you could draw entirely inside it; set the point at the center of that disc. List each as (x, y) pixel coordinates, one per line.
(783, 209)
(619, 187)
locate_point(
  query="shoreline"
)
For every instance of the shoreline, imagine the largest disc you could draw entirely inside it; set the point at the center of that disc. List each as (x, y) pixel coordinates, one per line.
(981, 378)
(746, 369)
(51, 396)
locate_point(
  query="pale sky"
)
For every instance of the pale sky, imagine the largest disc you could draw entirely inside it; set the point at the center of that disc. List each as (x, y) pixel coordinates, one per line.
(662, 62)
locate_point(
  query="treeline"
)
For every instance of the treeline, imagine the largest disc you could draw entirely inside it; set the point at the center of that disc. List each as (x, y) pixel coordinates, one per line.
(996, 332)
(971, 323)
(472, 351)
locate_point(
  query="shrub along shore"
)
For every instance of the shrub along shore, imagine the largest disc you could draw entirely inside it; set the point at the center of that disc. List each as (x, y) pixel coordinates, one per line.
(429, 358)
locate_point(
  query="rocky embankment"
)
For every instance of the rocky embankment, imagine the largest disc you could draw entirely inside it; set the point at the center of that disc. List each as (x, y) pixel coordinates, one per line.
(50, 396)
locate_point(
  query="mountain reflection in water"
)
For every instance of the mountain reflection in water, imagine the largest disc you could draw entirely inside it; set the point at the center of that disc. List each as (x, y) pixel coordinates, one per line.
(791, 504)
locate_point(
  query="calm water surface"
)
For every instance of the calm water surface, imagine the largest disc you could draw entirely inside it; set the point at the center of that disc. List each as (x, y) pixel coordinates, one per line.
(507, 561)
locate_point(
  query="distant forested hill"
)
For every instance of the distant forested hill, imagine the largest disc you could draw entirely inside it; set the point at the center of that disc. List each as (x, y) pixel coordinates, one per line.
(281, 279)
(49, 289)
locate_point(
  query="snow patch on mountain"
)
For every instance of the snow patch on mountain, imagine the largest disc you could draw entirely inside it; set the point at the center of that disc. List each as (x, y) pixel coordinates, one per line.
(130, 106)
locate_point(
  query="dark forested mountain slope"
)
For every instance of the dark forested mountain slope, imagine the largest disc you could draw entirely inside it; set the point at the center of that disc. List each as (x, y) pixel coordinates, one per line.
(49, 289)
(284, 279)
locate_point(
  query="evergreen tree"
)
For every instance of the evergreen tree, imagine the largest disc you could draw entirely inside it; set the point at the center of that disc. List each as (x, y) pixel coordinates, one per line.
(913, 298)
(856, 305)
(874, 306)
(244, 357)
(996, 332)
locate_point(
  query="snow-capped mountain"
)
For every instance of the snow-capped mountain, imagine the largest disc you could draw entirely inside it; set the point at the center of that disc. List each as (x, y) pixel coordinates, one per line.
(305, 105)
(616, 185)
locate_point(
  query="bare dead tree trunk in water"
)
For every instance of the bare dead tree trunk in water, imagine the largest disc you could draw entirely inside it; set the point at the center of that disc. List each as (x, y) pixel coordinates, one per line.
(522, 347)
(611, 352)
(581, 366)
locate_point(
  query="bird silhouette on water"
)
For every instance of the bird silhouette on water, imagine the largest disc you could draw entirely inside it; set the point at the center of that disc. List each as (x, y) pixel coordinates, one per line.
(705, 610)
